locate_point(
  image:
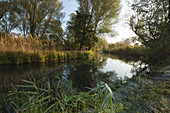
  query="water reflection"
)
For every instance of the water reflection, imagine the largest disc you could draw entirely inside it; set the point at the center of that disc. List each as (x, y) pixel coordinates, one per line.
(88, 74)
(13, 74)
(120, 67)
(82, 73)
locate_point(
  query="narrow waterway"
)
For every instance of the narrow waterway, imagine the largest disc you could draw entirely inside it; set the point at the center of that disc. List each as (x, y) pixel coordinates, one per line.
(103, 68)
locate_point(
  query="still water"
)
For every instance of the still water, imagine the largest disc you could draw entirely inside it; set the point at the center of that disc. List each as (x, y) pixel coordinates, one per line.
(83, 73)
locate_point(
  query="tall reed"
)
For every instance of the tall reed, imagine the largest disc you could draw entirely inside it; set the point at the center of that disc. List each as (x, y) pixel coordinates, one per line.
(19, 49)
(24, 44)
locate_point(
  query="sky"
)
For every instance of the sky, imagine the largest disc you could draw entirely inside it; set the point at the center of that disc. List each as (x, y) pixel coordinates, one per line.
(122, 28)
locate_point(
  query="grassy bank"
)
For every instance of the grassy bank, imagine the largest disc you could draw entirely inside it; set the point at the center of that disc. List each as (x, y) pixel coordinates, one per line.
(124, 49)
(19, 49)
(44, 56)
(142, 95)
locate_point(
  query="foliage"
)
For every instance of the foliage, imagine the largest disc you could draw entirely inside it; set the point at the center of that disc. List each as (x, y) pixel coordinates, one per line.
(103, 12)
(125, 49)
(101, 45)
(151, 24)
(92, 18)
(40, 17)
(4, 7)
(83, 33)
(50, 93)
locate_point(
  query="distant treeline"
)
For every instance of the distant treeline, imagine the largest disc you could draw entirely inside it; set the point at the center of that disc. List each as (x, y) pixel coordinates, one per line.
(120, 48)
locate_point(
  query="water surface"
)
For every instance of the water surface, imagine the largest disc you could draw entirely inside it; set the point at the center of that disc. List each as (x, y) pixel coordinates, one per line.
(81, 72)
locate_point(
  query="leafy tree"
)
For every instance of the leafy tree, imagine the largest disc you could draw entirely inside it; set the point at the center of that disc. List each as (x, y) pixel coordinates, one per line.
(83, 33)
(92, 18)
(151, 24)
(103, 13)
(101, 45)
(151, 20)
(127, 41)
(40, 17)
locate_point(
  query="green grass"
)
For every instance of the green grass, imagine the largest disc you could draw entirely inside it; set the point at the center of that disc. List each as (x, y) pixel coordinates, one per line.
(9, 57)
(50, 93)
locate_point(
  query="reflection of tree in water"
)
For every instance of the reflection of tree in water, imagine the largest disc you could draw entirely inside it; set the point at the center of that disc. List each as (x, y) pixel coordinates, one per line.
(87, 74)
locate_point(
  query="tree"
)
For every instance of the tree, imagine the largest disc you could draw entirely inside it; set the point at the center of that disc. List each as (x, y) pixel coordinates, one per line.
(83, 33)
(92, 18)
(151, 20)
(151, 25)
(4, 7)
(40, 17)
(103, 13)
(8, 20)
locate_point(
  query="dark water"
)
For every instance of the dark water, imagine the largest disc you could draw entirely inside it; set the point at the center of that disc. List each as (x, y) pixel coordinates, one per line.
(81, 72)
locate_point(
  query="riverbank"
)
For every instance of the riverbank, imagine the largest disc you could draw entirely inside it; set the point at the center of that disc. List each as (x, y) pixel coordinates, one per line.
(125, 49)
(8, 57)
(140, 94)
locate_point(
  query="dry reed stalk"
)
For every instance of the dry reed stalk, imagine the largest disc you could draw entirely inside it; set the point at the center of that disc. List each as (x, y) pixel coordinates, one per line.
(24, 44)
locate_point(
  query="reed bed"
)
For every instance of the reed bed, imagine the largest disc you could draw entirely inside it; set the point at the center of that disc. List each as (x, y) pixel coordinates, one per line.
(19, 49)
(24, 44)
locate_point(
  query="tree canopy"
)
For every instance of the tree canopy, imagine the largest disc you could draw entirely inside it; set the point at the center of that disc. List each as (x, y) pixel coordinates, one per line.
(40, 17)
(92, 18)
(151, 23)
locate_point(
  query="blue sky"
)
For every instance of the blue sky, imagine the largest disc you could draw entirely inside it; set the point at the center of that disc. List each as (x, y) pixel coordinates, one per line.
(70, 6)
(121, 27)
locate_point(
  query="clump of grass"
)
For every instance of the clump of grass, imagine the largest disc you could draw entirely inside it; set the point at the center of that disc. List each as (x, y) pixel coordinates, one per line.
(52, 94)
